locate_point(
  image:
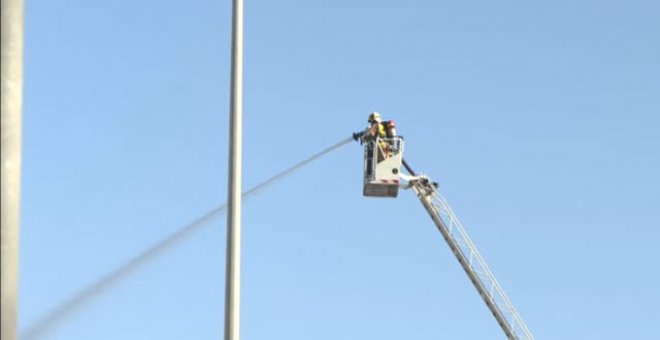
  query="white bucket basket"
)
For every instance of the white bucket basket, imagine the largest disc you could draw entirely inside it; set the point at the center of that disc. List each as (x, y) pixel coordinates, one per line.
(382, 167)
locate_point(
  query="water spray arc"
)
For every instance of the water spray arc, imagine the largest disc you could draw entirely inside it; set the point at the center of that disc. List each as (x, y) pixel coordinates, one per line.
(87, 295)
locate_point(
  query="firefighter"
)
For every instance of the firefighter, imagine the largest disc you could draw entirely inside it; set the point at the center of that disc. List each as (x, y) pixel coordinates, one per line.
(381, 130)
(376, 128)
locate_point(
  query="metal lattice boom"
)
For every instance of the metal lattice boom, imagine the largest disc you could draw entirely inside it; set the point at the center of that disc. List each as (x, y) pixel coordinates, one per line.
(471, 261)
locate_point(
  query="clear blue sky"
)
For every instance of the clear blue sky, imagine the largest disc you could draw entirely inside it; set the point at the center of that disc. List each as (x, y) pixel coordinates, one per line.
(540, 120)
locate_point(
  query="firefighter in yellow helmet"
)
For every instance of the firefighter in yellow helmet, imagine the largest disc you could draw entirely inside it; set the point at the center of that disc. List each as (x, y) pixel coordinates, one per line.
(378, 129)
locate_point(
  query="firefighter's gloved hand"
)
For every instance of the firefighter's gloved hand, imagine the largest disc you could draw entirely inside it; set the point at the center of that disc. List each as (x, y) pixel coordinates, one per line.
(358, 136)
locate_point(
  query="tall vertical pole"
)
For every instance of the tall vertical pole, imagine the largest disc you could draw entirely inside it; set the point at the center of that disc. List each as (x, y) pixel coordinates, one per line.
(233, 278)
(12, 105)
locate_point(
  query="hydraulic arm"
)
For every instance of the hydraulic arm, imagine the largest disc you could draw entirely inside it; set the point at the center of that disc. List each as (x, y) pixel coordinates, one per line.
(383, 158)
(469, 258)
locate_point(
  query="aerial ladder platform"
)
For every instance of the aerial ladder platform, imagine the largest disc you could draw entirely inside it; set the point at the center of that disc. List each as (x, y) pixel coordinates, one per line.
(383, 159)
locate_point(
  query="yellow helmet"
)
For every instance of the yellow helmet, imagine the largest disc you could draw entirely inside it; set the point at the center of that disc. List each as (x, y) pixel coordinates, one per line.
(374, 117)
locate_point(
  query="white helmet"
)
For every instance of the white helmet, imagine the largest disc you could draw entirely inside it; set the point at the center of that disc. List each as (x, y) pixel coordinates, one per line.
(374, 117)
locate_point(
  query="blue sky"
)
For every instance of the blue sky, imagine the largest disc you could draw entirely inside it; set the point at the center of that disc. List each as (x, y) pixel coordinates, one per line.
(539, 120)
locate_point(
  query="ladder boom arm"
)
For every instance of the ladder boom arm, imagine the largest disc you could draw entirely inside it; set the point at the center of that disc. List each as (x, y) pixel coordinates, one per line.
(470, 259)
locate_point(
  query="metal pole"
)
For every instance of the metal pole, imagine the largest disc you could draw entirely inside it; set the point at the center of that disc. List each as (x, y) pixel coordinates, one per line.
(233, 278)
(12, 102)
